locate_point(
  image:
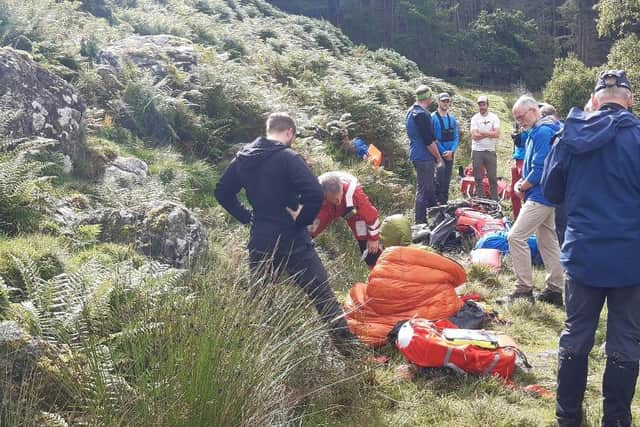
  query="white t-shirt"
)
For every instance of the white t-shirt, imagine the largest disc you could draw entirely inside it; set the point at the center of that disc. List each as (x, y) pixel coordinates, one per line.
(484, 124)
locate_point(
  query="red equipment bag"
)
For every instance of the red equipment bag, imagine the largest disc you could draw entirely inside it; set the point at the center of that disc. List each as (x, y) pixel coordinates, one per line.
(422, 343)
(470, 219)
(468, 185)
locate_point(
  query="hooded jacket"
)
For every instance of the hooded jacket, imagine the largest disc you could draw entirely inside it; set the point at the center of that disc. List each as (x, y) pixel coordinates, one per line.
(538, 146)
(274, 177)
(595, 169)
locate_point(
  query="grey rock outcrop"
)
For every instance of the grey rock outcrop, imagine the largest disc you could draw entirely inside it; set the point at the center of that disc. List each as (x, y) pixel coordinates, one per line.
(171, 233)
(27, 360)
(37, 103)
(163, 230)
(126, 172)
(151, 53)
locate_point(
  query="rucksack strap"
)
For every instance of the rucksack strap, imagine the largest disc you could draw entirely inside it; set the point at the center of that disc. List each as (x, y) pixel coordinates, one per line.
(449, 126)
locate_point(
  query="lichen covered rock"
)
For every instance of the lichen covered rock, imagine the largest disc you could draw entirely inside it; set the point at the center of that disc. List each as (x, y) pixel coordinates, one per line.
(156, 54)
(163, 230)
(37, 103)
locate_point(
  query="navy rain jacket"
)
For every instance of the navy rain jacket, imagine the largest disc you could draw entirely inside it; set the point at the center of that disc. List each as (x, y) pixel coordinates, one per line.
(595, 169)
(274, 177)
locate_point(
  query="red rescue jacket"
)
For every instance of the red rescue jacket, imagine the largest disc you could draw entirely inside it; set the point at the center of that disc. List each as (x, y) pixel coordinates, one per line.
(355, 207)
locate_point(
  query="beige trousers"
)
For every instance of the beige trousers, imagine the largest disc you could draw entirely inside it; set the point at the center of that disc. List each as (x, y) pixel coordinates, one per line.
(539, 219)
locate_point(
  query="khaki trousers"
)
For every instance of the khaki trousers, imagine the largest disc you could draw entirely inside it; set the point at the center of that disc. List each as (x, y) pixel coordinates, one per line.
(539, 219)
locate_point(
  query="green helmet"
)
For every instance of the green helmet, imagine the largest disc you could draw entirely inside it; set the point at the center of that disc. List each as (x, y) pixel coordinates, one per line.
(396, 231)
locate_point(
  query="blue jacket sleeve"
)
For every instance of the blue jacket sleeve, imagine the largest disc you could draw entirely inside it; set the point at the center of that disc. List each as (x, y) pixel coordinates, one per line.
(226, 193)
(541, 147)
(307, 186)
(437, 132)
(425, 127)
(456, 136)
(554, 177)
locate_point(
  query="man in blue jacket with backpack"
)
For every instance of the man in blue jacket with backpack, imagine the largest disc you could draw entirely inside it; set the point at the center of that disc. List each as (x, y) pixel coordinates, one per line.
(445, 130)
(595, 170)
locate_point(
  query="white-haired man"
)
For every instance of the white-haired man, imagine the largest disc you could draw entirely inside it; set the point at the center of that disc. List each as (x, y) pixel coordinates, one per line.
(537, 214)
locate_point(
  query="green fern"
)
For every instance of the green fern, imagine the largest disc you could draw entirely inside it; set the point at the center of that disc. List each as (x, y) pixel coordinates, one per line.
(22, 186)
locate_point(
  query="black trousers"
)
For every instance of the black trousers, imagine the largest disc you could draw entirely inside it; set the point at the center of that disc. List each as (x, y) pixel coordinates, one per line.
(370, 259)
(583, 305)
(307, 271)
(443, 179)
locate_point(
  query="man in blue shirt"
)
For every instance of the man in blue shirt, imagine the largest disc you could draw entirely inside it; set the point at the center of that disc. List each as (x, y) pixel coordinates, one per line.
(423, 153)
(595, 170)
(537, 214)
(445, 130)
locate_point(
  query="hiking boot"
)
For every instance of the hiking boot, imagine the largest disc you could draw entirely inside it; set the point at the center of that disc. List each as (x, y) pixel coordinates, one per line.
(516, 296)
(350, 348)
(346, 343)
(551, 297)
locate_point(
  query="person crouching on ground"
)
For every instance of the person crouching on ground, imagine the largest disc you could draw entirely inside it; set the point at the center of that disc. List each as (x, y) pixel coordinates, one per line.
(345, 198)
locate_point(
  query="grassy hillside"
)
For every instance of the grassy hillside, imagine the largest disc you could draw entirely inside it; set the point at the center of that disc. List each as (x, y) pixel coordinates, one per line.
(137, 343)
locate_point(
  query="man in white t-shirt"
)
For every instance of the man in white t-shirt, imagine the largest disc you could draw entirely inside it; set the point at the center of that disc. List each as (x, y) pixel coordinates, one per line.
(485, 130)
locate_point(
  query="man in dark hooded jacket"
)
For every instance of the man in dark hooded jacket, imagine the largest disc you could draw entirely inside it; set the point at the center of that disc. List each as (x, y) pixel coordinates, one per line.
(595, 170)
(276, 179)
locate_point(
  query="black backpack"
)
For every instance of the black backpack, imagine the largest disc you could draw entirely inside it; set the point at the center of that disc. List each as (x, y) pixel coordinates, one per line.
(448, 134)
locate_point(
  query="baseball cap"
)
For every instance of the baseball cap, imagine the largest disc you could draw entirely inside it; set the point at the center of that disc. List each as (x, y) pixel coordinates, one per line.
(444, 95)
(611, 78)
(483, 98)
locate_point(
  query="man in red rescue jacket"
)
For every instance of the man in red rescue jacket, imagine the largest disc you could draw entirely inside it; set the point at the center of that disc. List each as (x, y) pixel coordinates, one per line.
(344, 197)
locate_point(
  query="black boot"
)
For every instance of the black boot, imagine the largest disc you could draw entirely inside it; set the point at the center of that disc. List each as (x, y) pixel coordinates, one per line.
(572, 382)
(618, 387)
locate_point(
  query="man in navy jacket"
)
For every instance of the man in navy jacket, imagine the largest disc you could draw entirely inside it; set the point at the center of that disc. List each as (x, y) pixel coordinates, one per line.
(285, 197)
(595, 170)
(423, 153)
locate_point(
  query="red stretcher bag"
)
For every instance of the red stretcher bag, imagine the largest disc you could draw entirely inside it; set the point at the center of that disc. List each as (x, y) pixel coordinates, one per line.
(422, 343)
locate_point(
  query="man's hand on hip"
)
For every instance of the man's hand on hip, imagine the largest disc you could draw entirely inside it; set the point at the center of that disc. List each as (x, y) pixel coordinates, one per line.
(294, 213)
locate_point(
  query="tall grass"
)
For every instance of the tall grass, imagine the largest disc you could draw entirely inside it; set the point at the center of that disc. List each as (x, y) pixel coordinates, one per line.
(141, 348)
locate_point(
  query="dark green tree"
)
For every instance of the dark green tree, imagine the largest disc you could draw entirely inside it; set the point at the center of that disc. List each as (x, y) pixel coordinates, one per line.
(618, 17)
(625, 54)
(570, 85)
(505, 46)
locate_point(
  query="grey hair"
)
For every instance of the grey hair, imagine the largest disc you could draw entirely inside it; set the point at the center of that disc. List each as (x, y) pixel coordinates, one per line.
(525, 101)
(548, 110)
(330, 182)
(621, 93)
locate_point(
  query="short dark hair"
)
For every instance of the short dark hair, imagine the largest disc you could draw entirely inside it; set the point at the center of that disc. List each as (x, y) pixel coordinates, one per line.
(280, 122)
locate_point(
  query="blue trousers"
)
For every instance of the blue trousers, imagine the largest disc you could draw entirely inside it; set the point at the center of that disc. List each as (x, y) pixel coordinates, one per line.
(583, 305)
